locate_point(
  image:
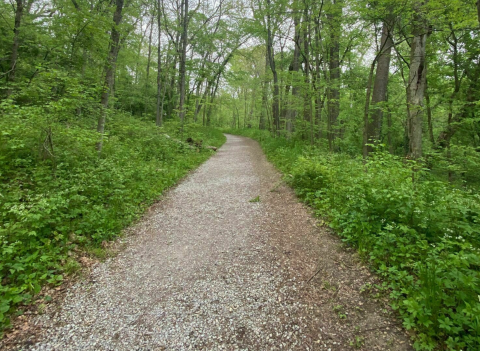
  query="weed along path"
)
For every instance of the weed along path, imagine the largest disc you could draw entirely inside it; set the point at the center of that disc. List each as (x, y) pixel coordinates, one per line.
(228, 260)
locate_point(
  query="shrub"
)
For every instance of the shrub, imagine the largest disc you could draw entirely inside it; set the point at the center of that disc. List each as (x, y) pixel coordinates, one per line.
(58, 196)
(420, 234)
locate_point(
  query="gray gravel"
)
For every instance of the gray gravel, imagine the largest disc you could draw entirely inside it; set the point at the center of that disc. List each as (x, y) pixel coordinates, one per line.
(205, 270)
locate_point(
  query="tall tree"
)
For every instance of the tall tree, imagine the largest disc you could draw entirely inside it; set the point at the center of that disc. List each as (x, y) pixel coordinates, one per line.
(110, 68)
(417, 79)
(16, 40)
(334, 16)
(183, 59)
(159, 105)
(373, 125)
(271, 61)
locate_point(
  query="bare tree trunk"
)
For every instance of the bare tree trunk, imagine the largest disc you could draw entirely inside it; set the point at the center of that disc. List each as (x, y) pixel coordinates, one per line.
(389, 131)
(183, 58)
(110, 70)
(262, 122)
(374, 120)
(307, 111)
(197, 102)
(271, 59)
(159, 107)
(15, 44)
(417, 81)
(148, 63)
(334, 74)
(367, 108)
(319, 95)
(429, 115)
(291, 113)
(212, 97)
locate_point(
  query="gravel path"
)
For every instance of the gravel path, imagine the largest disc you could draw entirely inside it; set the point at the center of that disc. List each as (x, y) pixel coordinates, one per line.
(207, 269)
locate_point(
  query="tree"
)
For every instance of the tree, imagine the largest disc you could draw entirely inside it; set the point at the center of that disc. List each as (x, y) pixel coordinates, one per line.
(417, 79)
(373, 125)
(110, 67)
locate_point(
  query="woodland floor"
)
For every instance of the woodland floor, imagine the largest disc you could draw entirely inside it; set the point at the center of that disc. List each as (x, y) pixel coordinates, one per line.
(209, 269)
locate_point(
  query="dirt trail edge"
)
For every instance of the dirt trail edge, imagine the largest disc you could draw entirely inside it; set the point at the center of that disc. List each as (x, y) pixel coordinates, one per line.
(212, 268)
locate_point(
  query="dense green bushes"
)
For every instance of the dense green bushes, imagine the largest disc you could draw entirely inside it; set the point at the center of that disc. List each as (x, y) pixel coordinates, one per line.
(422, 235)
(57, 195)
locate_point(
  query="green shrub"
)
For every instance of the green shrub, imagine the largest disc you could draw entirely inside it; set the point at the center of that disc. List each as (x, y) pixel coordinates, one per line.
(420, 234)
(57, 195)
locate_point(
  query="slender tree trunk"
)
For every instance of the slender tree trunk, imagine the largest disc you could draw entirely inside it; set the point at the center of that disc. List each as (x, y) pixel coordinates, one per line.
(319, 95)
(183, 58)
(417, 81)
(307, 111)
(389, 131)
(263, 115)
(367, 108)
(245, 108)
(148, 64)
(197, 102)
(212, 97)
(159, 106)
(291, 113)
(334, 73)
(429, 115)
(271, 59)
(110, 70)
(373, 124)
(16, 43)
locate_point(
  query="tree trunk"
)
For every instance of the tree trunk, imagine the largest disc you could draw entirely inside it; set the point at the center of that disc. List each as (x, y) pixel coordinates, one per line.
(334, 74)
(417, 81)
(110, 69)
(429, 115)
(263, 115)
(291, 113)
(183, 58)
(375, 114)
(15, 44)
(159, 107)
(271, 60)
(148, 63)
(307, 111)
(367, 108)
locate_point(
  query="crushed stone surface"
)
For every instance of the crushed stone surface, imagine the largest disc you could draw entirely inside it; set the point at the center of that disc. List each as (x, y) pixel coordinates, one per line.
(209, 269)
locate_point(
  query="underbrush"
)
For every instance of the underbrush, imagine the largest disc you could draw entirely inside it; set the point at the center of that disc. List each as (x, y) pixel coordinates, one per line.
(420, 234)
(59, 197)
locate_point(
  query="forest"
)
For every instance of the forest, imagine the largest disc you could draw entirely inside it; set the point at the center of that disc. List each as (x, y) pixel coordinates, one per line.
(368, 107)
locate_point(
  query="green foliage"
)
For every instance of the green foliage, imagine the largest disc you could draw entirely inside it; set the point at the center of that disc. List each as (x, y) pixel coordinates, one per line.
(58, 196)
(420, 234)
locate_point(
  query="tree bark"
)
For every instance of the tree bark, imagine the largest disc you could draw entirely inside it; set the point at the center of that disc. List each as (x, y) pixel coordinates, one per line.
(263, 115)
(148, 64)
(183, 58)
(307, 111)
(271, 60)
(417, 81)
(16, 43)
(333, 104)
(375, 114)
(367, 108)
(110, 69)
(159, 106)
(291, 112)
